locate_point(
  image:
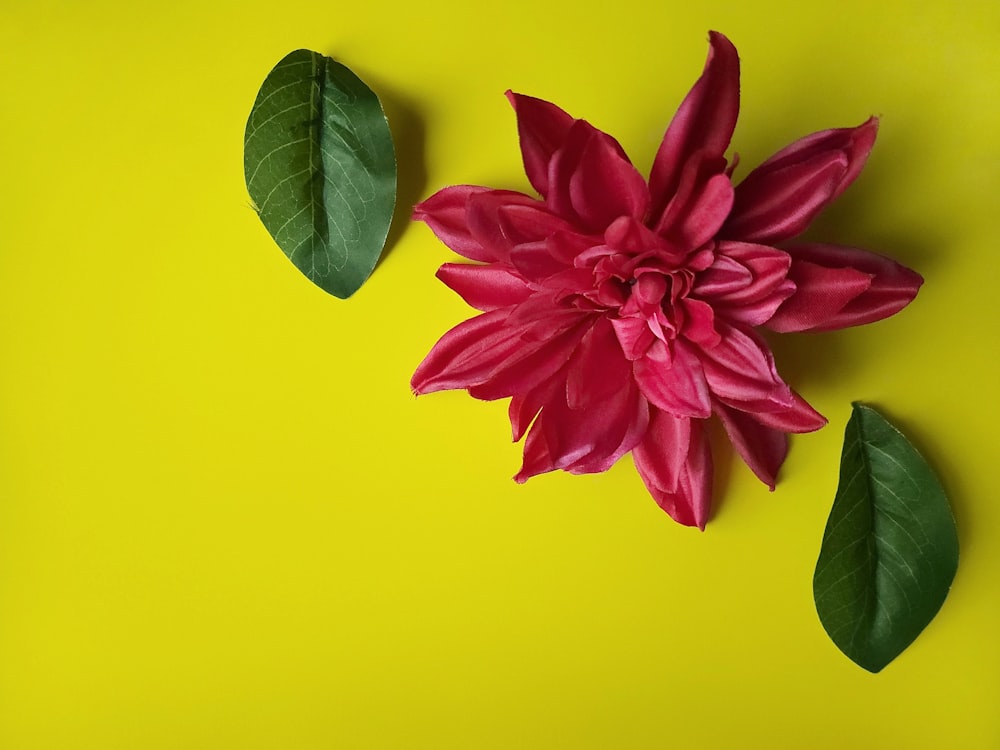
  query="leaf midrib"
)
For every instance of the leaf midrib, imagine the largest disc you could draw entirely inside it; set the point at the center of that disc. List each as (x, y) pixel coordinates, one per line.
(867, 623)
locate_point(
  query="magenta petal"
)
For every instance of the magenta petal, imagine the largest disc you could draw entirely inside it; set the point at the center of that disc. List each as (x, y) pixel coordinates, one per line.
(486, 214)
(794, 416)
(605, 185)
(537, 455)
(855, 143)
(707, 212)
(579, 440)
(466, 354)
(542, 127)
(598, 369)
(537, 261)
(540, 319)
(699, 325)
(775, 204)
(634, 336)
(561, 169)
(724, 278)
(529, 222)
(675, 462)
(762, 448)
(541, 448)
(524, 407)
(821, 293)
(838, 287)
(662, 454)
(582, 441)
(629, 235)
(592, 182)
(762, 270)
(703, 200)
(779, 199)
(741, 368)
(534, 261)
(534, 363)
(634, 429)
(676, 384)
(704, 121)
(746, 283)
(445, 213)
(485, 287)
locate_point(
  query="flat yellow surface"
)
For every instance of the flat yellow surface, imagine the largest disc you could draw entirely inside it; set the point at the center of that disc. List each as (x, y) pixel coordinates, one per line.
(226, 523)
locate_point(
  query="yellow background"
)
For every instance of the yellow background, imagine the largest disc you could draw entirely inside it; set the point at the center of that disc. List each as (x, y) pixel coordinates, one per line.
(226, 523)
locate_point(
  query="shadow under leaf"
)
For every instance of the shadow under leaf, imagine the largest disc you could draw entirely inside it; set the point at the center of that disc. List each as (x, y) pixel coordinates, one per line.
(408, 133)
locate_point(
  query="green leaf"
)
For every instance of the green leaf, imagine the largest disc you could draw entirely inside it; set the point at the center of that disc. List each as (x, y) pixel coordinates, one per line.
(890, 550)
(321, 169)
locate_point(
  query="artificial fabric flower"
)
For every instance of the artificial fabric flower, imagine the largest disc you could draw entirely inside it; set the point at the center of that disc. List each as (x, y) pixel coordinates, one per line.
(619, 314)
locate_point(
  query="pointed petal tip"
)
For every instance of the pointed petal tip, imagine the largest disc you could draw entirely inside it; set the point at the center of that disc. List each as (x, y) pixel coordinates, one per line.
(684, 518)
(718, 39)
(704, 121)
(864, 137)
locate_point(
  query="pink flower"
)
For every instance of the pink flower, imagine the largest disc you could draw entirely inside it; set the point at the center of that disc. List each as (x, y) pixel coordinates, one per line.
(619, 314)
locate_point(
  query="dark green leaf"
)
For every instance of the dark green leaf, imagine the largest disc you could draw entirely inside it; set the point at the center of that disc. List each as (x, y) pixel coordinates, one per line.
(890, 550)
(321, 169)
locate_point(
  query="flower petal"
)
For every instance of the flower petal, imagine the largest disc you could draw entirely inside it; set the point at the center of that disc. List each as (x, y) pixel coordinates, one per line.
(540, 318)
(675, 462)
(856, 143)
(634, 336)
(592, 182)
(779, 199)
(445, 213)
(605, 185)
(795, 416)
(772, 205)
(704, 121)
(533, 365)
(762, 448)
(634, 429)
(703, 201)
(542, 128)
(724, 278)
(699, 323)
(537, 454)
(674, 381)
(746, 282)
(598, 369)
(631, 236)
(582, 440)
(524, 407)
(530, 222)
(487, 214)
(485, 287)
(467, 354)
(838, 287)
(741, 369)
(537, 261)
